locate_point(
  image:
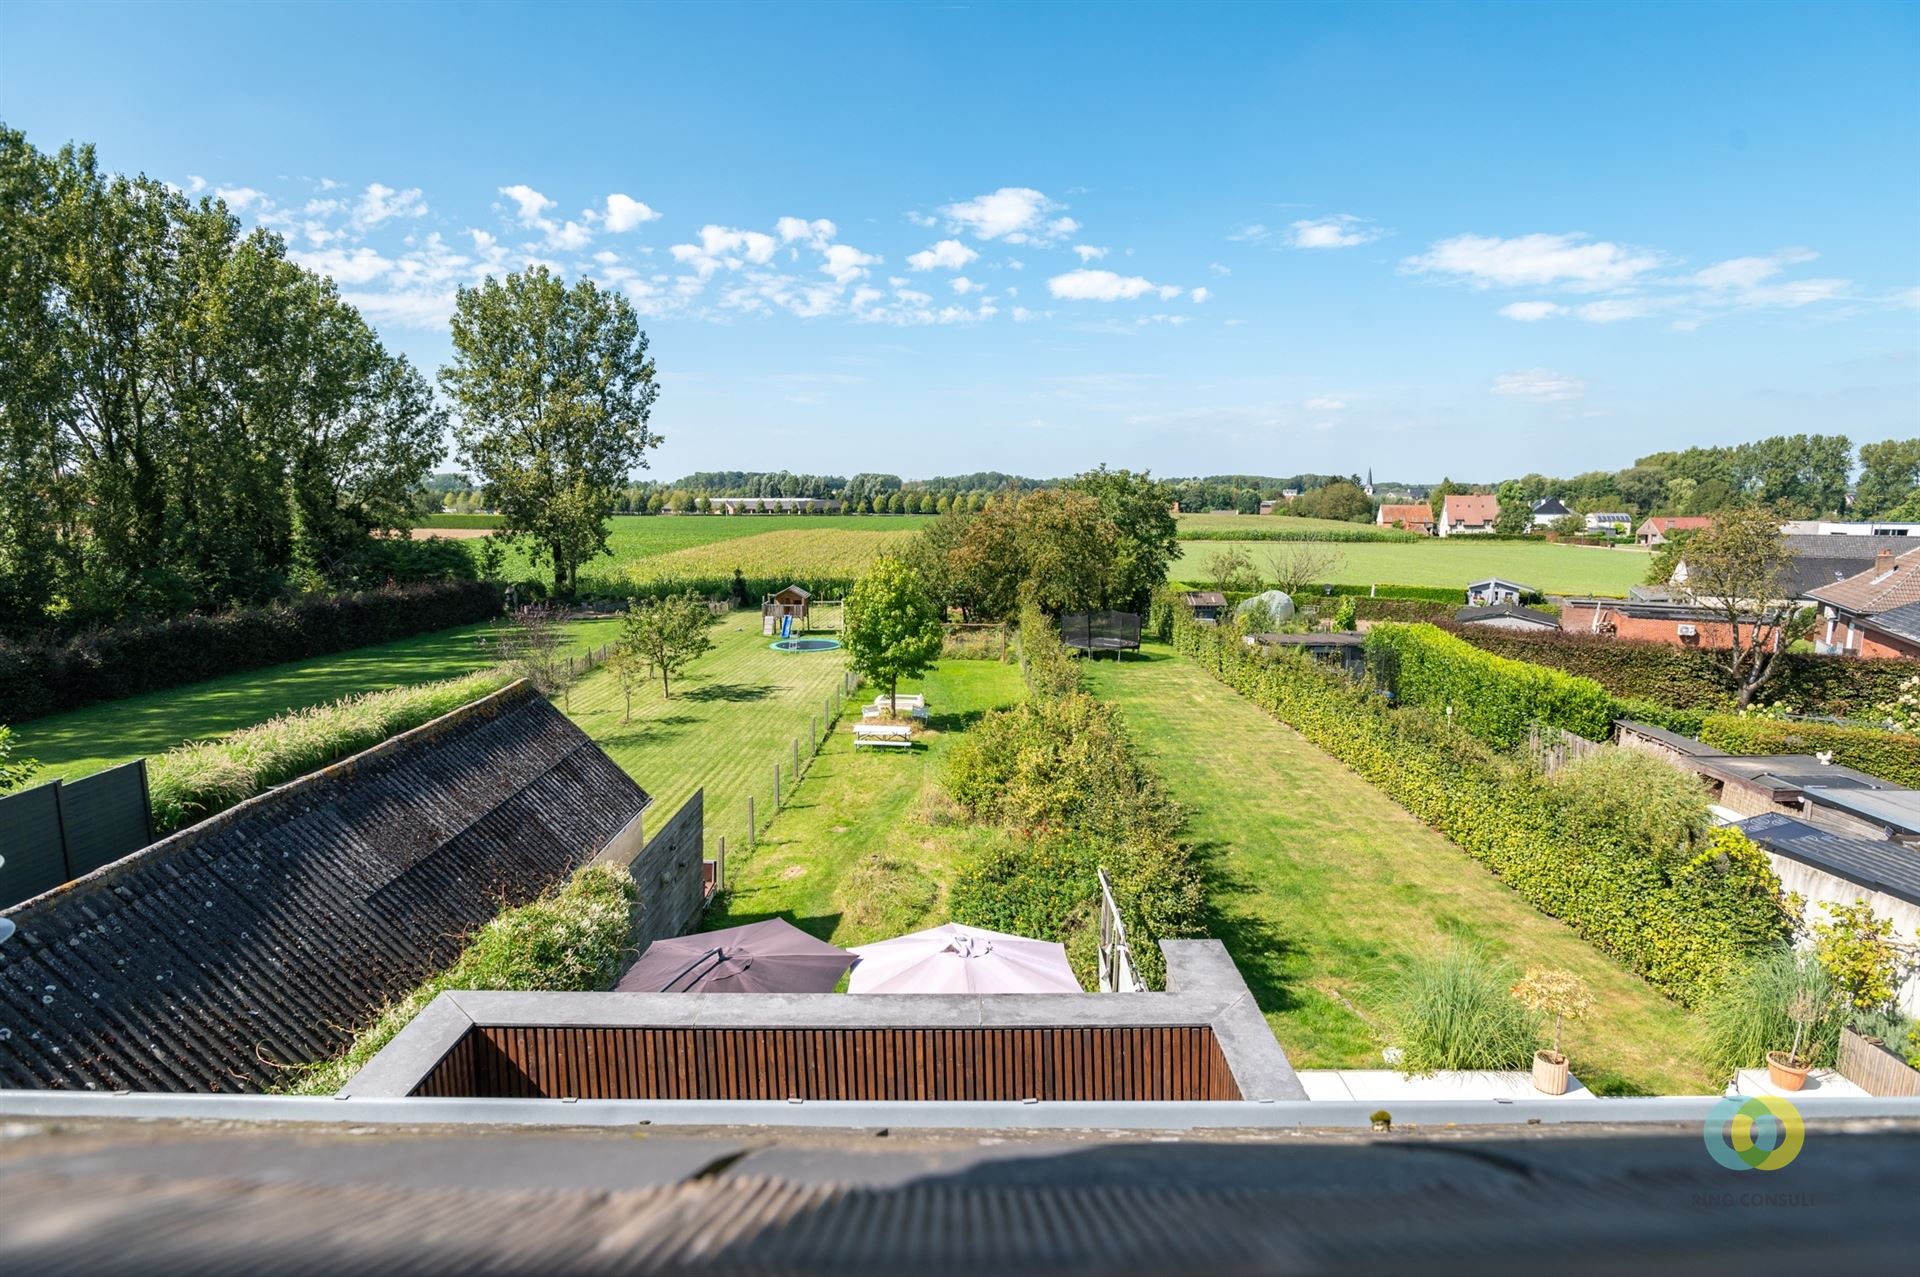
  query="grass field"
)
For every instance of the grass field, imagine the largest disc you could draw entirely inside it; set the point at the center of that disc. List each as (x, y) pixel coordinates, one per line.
(1452, 561)
(735, 713)
(82, 741)
(801, 554)
(1323, 885)
(813, 864)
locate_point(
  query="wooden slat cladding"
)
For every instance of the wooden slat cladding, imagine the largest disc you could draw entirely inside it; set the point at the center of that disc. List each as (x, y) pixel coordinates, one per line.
(1154, 1063)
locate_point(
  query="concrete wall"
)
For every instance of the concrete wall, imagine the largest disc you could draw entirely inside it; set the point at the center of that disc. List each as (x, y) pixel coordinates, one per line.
(666, 870)
(1820, 887)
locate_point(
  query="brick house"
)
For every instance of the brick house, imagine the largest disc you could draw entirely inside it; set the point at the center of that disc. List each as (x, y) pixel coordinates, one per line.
(1654, 531)
(1871, 614)
(1415, 516)
(1675, 624)
(1468, 513)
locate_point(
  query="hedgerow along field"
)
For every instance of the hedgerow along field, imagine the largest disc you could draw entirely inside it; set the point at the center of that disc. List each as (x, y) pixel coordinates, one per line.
(1447, 561)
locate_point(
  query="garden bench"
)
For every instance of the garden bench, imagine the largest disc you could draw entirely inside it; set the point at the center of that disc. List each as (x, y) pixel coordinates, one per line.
(896, 735)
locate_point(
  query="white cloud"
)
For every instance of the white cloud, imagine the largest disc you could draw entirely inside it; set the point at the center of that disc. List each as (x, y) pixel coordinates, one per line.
(239, 198)
(531, 203)
(1542, 385)
(948, 254)
(1570, 261)
(570, 237)
(346, 266)
(1199, 295)
(1106, 286)
(195, 184)
(1088, 253)
(815, 233)
(1017, 214)
(963, 285)
(1324, 403)
(1219, 270)
(381, 203)
(1252, 233)
(1532, 312)
(1615, 309)
(625, 213)
(1342, 230)
(723, 246)
(846, 263)
(1021, 314)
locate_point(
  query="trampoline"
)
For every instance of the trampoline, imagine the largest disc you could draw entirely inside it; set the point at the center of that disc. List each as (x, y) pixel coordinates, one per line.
(804, 644)
(1096, 632)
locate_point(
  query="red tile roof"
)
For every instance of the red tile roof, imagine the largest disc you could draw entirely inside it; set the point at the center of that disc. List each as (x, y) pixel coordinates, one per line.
(1878, 589)
(1418, 514)
(1665, 523)
(1470, 508)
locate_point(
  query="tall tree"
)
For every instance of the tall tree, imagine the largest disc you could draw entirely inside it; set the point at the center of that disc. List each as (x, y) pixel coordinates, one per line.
(1889, 473)
(554, 391)
(1738, 569)
(894, 628)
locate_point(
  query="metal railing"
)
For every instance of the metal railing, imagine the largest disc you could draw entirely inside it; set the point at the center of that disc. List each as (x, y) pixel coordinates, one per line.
(1117, 974)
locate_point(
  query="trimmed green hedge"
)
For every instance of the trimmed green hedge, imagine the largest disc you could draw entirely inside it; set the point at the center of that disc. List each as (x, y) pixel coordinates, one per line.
(106, 665)
(1339, 536)
(1407, 611)
(573, 939)
(1687, 678)
(1492, 697)
(1893, 756)
(1681, 917)
(190, 782)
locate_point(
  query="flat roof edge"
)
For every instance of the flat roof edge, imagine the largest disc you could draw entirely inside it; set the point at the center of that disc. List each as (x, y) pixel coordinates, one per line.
(910, 1114)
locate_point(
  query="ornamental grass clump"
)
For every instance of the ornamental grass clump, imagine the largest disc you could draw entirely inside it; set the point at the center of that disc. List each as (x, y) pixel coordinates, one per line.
(1453, 1010)
(574, 939)
(1752, 1013)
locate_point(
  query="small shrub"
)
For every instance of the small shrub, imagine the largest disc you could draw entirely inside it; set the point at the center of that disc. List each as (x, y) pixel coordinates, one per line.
(1749, 1014)
(1452, 1010)
(573, 939)
(1632, 800)
(1858, 950)
(14, 772)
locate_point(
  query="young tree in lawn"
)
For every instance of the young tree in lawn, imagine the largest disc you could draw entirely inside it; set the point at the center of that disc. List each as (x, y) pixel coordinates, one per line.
(1303, 563)
(893, 626)
(554, 390)
(1738, 570)
(666, 636)
(531, 646)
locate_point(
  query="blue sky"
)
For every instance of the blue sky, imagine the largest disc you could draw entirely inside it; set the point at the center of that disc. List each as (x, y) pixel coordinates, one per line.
(1426, 240)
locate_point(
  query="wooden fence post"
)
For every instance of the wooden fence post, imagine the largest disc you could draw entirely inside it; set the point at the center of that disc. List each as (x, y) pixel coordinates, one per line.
(776, 787)
(752, 840)
(796, 760)
(720, 865)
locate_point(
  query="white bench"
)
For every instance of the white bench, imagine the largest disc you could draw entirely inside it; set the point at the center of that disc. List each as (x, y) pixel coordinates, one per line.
(897, 735)
(915, 705)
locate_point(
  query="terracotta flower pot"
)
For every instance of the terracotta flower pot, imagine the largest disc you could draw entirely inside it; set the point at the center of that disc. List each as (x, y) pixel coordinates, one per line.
(1550, 1072)
(1786, 1072)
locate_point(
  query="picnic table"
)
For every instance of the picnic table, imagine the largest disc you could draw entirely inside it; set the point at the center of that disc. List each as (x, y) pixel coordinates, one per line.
(893, 735)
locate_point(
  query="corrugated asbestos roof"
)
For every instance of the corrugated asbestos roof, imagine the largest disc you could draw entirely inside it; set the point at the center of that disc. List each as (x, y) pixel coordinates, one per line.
(267, 933)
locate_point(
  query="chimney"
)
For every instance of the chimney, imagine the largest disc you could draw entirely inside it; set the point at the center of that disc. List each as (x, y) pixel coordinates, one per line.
(1883, 561)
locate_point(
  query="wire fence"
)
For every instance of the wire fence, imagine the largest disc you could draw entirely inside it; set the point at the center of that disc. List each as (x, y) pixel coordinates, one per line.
(788, 769)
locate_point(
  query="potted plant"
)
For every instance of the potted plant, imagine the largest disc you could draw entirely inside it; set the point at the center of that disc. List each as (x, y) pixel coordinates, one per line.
(1788, 1069)
(1564, 996)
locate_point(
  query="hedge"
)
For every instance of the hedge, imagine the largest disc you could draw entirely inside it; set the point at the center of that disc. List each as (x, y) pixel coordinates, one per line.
(200, 778)
(1338, 536)
(574, 939)
(105, 665)
(1492, 697)
(1688, 678)
(1410, 611)
(1060, 775)
(1681, 917)
(1893, 756)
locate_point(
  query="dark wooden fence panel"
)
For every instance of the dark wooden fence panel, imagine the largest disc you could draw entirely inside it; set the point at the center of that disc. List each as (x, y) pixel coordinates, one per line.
(1155, 1063)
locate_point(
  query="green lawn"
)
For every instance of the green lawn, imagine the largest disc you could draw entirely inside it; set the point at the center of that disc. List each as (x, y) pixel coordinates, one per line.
(1322, 884)
(83, 741)
(815, 865)
(1450, 561)
(733, 714)
(632, 537)
(1217, 523)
